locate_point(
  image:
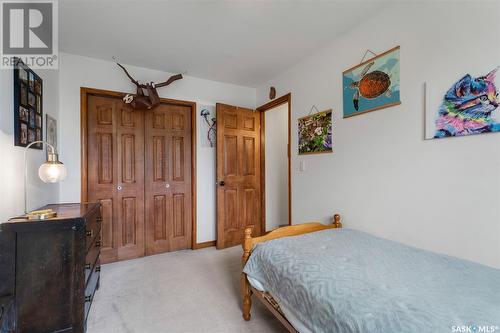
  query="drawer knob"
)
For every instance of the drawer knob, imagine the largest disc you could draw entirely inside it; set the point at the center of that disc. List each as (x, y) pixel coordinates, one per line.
(88, 298)
(99, 219)
(89, 233)
(87, 266)
(98, 269)
(98, 244)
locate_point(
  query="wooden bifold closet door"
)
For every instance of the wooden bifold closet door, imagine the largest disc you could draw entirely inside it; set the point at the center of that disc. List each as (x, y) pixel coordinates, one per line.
(168, 178)
(139, 169)
(115, 175)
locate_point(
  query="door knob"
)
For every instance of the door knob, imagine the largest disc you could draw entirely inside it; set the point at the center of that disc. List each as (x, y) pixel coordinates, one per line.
(222, 183)
(167, 185)
(119, 187)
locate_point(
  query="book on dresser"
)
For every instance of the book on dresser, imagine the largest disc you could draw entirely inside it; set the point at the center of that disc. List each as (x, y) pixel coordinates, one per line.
(54, 268)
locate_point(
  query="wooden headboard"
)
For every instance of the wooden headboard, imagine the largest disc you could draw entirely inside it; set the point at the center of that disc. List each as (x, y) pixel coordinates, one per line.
(249, 242)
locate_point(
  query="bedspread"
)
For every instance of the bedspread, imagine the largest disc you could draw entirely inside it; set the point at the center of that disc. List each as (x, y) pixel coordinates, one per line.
(347, 281)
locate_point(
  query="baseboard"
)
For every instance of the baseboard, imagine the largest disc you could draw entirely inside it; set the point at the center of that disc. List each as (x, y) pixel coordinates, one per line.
(203, 245)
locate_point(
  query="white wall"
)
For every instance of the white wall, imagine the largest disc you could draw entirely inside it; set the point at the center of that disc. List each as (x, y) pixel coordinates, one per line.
(206, 188)
(276, 134)
(12, 158)
(383, 177)
(77, 71)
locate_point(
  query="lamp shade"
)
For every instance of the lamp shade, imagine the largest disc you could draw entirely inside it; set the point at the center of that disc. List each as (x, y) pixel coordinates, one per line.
(52, 172)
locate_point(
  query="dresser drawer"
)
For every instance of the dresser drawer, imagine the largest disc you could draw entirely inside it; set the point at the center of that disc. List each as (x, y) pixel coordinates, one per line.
(91, 288)
(91, 258)
(7, 314)
(92, 229)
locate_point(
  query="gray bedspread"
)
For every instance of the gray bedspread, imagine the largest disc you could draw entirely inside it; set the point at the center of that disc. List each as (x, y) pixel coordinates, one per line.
(344, 281)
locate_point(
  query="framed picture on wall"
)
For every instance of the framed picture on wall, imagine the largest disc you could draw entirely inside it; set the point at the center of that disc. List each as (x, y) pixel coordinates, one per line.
(23, 134)
(315, 133)
(24, 114)
(23, 94)
(31, 80)
(31, 135)
(38, 121)
(51, 131)
(372, 85)
(31, 99)
(28, 106)
(464, 104)
(32, 119)
(23, 76)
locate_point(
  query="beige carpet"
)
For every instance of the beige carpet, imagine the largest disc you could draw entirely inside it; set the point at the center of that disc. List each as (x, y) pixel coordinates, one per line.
(186, 291)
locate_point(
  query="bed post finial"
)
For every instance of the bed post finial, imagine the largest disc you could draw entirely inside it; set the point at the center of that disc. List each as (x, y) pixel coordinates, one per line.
(336, 221)
(246, 292)
(247, 245)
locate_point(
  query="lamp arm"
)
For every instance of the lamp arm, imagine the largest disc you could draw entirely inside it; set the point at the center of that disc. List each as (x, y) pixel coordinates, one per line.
(53, 151)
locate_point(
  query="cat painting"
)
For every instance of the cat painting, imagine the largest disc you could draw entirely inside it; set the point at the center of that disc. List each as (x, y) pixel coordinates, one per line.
(467, 107)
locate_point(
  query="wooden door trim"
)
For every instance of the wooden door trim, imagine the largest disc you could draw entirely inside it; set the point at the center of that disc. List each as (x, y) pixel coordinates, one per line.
(203, 245)
(266, 107)
(84, 93)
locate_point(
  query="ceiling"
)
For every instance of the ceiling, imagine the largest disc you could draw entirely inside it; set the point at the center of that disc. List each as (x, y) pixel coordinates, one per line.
(241, 42)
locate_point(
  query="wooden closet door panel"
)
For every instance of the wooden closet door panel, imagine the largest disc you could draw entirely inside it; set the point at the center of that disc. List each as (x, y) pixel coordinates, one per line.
(168, 179)
(102, 176)
(130, 189)
(158, 197)
(180, 177)
(116, 175)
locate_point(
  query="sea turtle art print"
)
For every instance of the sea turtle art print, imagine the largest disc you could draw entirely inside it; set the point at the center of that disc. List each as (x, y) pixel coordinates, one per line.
(370, 85)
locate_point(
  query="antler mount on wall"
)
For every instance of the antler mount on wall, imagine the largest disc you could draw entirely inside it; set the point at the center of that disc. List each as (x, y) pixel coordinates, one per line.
(146, 96)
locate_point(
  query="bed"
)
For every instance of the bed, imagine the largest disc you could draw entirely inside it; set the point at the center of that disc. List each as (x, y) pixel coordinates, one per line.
(325, 278)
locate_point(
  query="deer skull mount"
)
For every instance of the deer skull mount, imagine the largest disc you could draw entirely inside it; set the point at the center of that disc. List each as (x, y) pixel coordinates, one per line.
(146, 96)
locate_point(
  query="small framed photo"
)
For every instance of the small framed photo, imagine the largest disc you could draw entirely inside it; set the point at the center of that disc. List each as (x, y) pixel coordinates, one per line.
(32, 81)
(23, 114)
(51, 131)
(39, 104)
(32, 118)
(31, 99)
(38, 87)
(23, 94)
(31, 135)
(23, 134)
(23, 76)
(38, 121)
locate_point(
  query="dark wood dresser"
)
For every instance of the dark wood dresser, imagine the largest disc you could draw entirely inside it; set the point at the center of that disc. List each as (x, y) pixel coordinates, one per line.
(55, 268)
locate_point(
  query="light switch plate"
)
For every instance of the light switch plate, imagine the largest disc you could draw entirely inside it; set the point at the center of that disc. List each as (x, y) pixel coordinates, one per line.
(302, 166)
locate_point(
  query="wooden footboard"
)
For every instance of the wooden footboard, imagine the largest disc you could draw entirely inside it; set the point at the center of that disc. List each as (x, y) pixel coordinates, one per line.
(249, 243)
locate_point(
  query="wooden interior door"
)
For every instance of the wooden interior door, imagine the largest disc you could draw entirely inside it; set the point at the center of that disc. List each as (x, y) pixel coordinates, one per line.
(238, 174)
(115, 175)
(168, 178)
